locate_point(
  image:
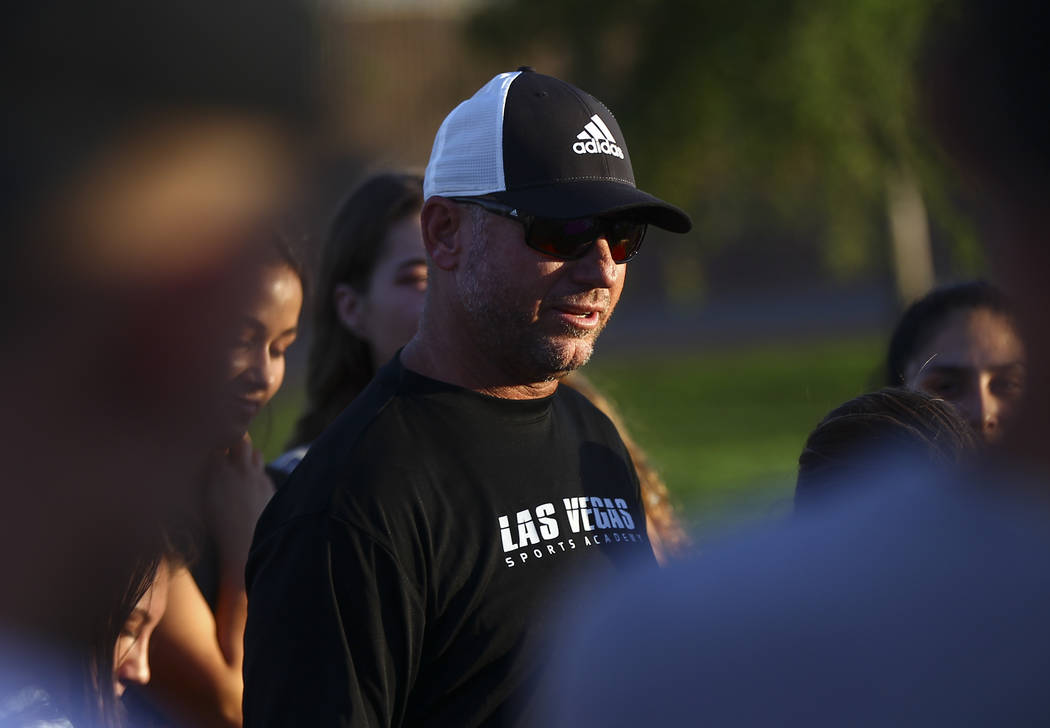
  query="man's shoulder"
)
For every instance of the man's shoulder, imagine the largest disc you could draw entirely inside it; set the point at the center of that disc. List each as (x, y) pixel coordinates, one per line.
(573, 405)
(364, 450)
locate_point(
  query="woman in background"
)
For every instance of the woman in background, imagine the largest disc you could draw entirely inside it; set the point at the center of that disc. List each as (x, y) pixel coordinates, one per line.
(373, 281)
(961, 343)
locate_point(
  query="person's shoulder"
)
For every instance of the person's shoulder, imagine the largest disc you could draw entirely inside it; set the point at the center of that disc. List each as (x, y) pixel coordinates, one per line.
(367, 419)
(384, 389)
(570, 401)
(284, 464)
(572, 405)
(367, 459)
(287, 461)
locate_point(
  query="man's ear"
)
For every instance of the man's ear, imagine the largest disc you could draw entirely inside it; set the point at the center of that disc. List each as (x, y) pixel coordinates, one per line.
(349, 308)
(443, 225)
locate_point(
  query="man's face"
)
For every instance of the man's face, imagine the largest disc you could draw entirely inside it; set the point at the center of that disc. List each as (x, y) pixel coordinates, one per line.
(536, 317)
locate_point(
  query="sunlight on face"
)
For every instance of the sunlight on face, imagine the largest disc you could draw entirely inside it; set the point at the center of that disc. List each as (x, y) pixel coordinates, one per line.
(538, 316)
(131, 654)
(975, 361)
(268, 326)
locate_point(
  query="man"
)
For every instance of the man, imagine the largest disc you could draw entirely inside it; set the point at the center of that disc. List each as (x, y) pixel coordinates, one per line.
(396, 579)
(920, 600)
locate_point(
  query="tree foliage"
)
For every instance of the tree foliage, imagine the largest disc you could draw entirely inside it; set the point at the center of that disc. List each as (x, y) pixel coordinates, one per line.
(794, 110)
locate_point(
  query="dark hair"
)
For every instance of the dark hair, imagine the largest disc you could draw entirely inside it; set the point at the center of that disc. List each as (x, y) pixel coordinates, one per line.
(108, 632)
(89, 698)
(340, 363)
(921, 321)
(893, 419)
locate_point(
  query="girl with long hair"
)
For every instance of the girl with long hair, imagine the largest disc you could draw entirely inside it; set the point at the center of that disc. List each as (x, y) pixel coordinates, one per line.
(369, 298)
(197, 650)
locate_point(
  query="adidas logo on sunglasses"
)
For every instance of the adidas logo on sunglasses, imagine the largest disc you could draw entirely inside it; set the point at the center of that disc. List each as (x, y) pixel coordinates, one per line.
(597, 139)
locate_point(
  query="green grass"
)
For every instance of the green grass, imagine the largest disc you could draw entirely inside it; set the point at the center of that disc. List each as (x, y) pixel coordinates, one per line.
(724, 428)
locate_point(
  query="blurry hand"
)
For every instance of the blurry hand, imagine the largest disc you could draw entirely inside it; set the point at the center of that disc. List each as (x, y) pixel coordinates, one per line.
(237, 491)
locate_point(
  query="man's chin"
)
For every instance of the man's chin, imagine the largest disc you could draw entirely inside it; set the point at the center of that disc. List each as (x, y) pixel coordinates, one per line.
(565, 356)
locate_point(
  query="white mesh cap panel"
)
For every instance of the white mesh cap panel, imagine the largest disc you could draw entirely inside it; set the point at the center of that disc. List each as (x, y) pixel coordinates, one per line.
(467, 158)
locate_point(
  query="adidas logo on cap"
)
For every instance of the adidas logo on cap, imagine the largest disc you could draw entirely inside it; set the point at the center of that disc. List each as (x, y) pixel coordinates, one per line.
(597, 139)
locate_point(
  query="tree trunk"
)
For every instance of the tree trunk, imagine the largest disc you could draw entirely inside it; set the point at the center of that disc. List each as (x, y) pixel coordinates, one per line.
(910, 234)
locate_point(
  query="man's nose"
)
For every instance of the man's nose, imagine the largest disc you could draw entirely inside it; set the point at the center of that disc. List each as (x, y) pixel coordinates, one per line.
(597, 268)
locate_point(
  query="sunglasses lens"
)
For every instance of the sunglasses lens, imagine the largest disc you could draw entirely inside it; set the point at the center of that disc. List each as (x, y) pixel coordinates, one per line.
(625, 237)
(566, 239)
(571, 239)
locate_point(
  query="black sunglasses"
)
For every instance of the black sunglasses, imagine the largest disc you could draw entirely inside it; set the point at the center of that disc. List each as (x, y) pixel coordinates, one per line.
(570, 239)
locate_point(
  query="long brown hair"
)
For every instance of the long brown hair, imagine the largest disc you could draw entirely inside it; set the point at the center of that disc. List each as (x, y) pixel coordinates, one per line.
(340, 363)
(86, 695)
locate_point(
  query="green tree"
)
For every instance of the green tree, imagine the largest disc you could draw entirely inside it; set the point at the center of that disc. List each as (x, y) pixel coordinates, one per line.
(801, 111)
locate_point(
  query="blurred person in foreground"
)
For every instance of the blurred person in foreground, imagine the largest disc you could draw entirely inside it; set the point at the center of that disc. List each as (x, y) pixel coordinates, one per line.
(373, 280)
(961, 343)
(919, 602)
(402, 568)
(142, 145)
(847, 444)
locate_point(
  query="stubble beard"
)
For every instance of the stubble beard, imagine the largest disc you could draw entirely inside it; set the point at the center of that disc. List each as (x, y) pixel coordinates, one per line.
(503, 327)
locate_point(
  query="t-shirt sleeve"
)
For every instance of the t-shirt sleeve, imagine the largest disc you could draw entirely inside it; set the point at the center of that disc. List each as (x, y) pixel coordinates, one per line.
(334, 629)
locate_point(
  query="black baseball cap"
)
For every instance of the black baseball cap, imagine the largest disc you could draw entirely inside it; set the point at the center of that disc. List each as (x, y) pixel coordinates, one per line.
(545, 147)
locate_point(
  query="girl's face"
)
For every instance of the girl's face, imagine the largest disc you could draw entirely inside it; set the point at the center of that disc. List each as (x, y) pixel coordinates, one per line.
(975, 361)
(387, 315)
(131, 654)
(268, 326)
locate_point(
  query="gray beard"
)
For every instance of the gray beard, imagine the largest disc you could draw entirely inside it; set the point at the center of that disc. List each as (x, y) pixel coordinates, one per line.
(501, 329)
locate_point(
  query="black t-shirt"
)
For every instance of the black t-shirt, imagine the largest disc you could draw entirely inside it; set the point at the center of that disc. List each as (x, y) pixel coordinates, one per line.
(400, 576)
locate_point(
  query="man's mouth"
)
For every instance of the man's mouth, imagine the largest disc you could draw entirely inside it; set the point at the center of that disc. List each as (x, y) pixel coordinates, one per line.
(582, 317)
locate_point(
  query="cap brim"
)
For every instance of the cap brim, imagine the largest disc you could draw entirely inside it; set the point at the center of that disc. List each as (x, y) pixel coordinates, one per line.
(583, 198)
